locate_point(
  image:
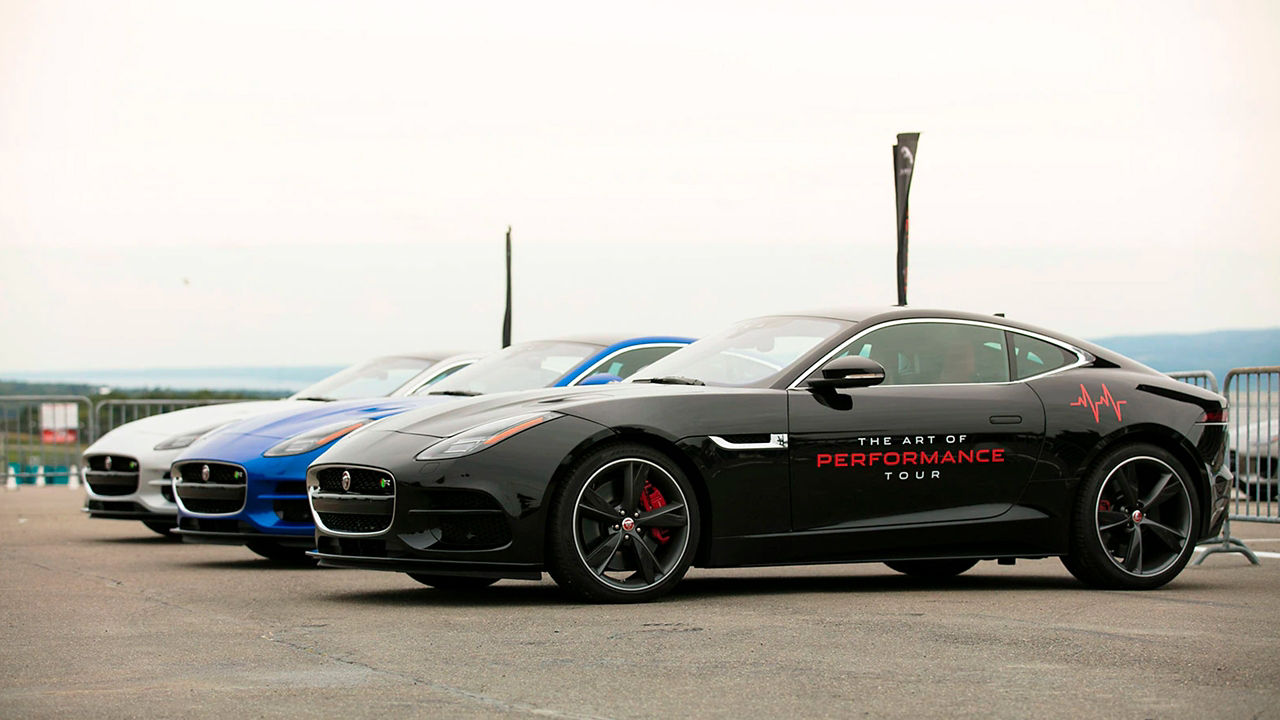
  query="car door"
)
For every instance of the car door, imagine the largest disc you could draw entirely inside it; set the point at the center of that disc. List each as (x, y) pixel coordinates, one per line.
(945, 438)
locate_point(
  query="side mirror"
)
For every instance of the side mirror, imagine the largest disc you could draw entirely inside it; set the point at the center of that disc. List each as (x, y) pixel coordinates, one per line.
(849, 372)
(601, 379)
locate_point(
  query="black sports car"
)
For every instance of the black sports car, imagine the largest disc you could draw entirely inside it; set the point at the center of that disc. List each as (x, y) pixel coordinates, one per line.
(927, 440)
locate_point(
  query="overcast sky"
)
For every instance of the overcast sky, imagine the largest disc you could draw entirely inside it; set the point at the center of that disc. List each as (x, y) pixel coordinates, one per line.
(261, 183)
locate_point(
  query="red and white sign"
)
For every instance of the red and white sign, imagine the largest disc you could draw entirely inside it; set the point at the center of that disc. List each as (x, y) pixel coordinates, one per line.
(59, 423)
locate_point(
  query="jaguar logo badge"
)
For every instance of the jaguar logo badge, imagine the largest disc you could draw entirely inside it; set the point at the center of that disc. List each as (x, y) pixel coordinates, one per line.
(204, 474)
(108, 465)
(346, 481)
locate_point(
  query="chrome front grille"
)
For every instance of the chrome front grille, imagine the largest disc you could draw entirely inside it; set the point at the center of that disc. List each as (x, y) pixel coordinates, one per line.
(111, 474)
(210, 488)
(350, 500)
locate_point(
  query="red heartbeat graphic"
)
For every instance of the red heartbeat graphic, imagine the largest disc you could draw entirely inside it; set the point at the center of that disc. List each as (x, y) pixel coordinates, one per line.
(1105, 399)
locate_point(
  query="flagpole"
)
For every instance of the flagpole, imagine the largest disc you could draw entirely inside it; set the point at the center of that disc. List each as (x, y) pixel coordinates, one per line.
(904, 161)
(506, 320)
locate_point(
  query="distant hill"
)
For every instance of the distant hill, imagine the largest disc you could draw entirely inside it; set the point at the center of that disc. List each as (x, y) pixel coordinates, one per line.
(1218, 351)
(95, 392)
(278, 380)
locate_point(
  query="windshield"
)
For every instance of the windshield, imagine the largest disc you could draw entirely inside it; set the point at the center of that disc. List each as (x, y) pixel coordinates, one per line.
(520, 367)
(751, 353)
(378, 377)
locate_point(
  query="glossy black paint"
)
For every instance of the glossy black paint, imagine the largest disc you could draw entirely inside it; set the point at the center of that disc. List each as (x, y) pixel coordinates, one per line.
(882, 419)
(1019, 448)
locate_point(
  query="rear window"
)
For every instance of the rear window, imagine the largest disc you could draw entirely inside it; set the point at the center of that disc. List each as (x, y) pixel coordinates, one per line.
(1033, 357)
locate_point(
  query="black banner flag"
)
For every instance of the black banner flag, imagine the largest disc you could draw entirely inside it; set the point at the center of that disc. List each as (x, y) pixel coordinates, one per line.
(506, 320)
(904, 164)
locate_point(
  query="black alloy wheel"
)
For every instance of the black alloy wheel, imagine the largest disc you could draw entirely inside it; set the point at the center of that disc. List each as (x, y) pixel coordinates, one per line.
(623, 527)
(932, 569)
(1136, 520)
(453, 582)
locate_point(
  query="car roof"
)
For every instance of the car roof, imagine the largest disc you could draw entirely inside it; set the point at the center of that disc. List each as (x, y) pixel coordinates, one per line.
(865, 313)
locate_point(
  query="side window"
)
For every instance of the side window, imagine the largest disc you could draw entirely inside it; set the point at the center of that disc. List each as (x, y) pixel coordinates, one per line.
(1033, 357)
(936, 353)
(629, 362)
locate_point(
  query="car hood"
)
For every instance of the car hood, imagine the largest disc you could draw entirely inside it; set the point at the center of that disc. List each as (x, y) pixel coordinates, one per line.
(290, 422)
(157, 427)
(449, 421)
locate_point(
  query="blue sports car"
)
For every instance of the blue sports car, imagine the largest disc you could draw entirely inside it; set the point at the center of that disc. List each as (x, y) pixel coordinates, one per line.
(246, 484)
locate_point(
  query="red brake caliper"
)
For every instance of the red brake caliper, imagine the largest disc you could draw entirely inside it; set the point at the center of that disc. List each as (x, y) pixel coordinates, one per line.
(1104, 505)
(651, 499)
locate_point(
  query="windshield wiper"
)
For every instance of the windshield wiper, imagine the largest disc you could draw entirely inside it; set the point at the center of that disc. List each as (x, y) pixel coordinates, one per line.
(459, 393)
(671, 380)
(317, 398)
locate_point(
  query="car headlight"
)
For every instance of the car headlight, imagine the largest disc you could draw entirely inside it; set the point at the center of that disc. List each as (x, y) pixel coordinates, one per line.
(313, 439)
(185, 439)
(483, 436)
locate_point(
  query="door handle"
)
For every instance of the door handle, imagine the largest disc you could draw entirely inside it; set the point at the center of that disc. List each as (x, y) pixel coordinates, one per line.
(1006, 419)
(776, 441)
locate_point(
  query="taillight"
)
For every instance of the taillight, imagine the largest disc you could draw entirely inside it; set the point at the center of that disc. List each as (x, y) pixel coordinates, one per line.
(1214, 416)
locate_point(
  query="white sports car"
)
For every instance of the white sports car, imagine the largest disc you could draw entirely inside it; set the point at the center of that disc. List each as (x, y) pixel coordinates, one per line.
(1255, 456)
(126, 471)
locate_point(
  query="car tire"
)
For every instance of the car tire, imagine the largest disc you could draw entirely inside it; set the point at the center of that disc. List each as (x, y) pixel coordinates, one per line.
(599, 548)
(931, 569)
(163, 528)
(281, 554)
(1074, 568)
(453, 582)
(1135, 521)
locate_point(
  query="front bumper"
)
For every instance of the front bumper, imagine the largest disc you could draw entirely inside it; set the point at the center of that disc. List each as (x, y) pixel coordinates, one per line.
(144, 493)
(266, 505)
(482, 515)
(115, 509)
(224, 531)
(456, 568)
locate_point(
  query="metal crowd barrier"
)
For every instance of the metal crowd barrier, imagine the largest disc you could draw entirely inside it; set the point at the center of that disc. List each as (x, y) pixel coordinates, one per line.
(1254, 425)
(111, 414)
(1200, 378)
(42, 437)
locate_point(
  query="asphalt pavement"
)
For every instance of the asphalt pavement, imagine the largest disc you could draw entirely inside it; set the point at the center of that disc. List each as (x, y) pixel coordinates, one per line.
(104, 619)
